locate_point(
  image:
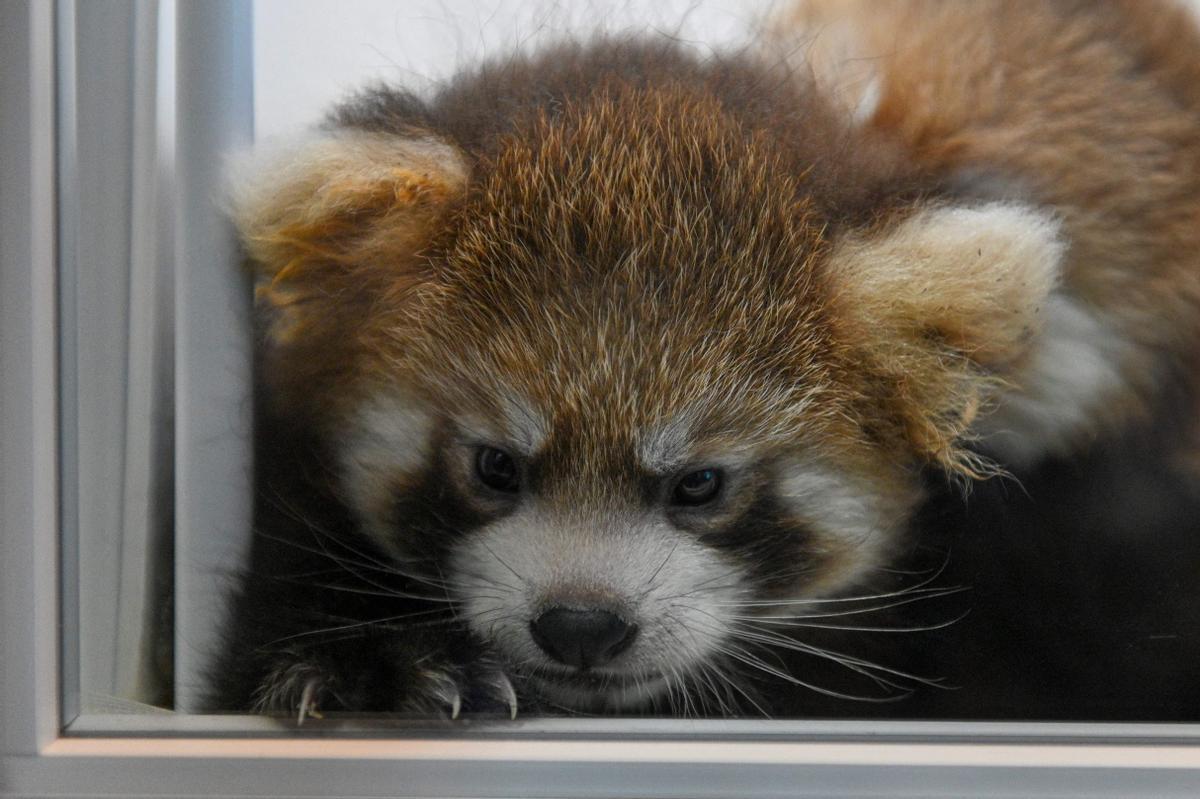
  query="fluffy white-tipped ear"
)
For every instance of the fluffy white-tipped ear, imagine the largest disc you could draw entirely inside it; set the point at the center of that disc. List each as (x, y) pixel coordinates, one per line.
(332, 222)
(323, 173)
(946, 302)
(328, 204)
(977, 276)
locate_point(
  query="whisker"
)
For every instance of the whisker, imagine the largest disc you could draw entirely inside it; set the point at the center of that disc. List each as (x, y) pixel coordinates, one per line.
(384, 592)
(649, 582)
(783, 642)
(350, 626)
(907, 593)
(799, 621)
(502, 563)
(871, 609)
(748, 659)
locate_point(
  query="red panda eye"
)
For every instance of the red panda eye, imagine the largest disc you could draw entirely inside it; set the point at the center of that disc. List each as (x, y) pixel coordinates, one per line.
(497, 470)
(697, 488)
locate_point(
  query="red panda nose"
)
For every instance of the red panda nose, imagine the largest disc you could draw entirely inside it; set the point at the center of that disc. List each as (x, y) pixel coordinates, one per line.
(582, 638)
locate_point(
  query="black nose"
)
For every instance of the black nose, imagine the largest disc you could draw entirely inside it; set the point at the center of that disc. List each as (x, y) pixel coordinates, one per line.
(582, 638)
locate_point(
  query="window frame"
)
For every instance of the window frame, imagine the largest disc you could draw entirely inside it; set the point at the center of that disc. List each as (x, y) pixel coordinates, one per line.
(44, 754)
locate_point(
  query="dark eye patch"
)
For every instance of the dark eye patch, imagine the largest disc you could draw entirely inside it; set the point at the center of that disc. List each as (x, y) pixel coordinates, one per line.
(432, 509)
(776, 549)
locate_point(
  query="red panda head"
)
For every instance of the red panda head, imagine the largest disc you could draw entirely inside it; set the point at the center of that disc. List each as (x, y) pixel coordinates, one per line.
(636, 368)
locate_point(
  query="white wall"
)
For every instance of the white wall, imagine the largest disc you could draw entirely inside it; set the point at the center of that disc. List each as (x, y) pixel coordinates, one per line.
(310, 53)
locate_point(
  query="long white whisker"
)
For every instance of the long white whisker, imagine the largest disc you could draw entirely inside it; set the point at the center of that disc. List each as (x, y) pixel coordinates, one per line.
(783, 642)
(801, 621)
(745, 657)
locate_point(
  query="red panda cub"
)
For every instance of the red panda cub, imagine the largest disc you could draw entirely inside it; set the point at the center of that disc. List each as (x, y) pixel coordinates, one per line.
(586, 368)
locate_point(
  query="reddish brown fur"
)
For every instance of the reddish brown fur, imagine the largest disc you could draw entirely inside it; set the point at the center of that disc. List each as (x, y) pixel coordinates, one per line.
(1092, 108)
(643, 235)
(704, 196)
(326, 256)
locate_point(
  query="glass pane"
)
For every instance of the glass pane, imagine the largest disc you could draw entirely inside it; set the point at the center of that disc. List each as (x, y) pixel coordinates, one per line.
(633, 380)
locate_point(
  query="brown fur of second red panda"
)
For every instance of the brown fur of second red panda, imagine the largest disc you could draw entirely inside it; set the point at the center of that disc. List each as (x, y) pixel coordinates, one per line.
(1092, 109)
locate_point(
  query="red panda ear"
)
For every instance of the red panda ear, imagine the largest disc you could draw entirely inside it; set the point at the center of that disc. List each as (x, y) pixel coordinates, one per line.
(325, 215)
(334, 225)
(946, 303)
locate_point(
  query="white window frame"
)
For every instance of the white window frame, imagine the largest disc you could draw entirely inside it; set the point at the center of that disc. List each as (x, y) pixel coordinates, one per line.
(44, 754)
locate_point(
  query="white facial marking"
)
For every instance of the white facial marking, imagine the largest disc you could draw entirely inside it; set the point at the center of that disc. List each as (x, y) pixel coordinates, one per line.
(388, 437)
(846, 511)
(676, 590)
(518, 427)
(526, 427)
(666, 447)
(1073, 370)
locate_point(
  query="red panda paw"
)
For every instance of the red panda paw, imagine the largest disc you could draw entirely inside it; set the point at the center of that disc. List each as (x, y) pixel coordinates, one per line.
(448, 692)
(414, 675)
(297, 689)
(439, 693)
(497, 688)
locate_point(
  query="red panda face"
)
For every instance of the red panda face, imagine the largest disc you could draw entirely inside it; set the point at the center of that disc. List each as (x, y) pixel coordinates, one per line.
(633, 415)
(604, 563)
(623, 379)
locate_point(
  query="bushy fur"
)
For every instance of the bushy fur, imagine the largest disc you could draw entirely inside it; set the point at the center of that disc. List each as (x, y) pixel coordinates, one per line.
(1087, 108)
(622, 263)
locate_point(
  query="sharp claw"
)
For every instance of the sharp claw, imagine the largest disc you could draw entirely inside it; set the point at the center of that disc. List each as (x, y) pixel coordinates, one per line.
(308, 701)
(505, 686)
(447, 690)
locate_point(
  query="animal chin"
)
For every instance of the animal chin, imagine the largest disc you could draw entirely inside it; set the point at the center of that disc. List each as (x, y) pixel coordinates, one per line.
(594, 692)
